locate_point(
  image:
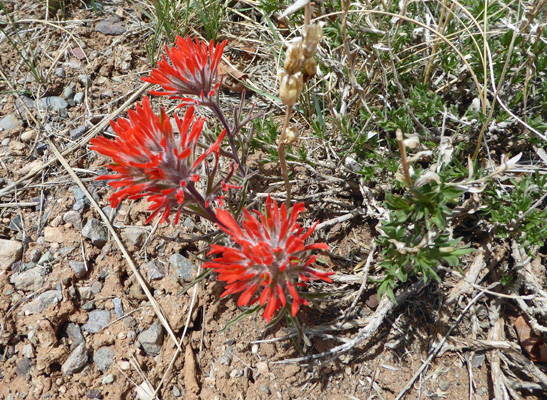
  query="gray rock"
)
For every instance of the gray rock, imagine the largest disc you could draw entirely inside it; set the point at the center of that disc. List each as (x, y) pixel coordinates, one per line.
(10, 121)
(46, 299)
(90, 305)
(176, 391)
(85, 80)
(23, 366)
(183, 266)
(226, 358)
(28, 102)
(97, 320)
(152, 339)
(76, 361)
(153, 270)
(444, 385)
(76, 133)
(478, 360)
(79, 205)
(96, 232)
(46, 258)
(79, 268)
(27, 266)
(35, 255)
(60, 72)
(108, 379)
(33, 279)
(10, 251)
(96, 288)
(118, 307)
(74, 218)
(28, 136)
(111, 26)
(73, 331)
(265, 389)
(104, 357)
(53, 102)
(85, 293)
(94, 394)
(68, 92)
(78, 98)
(6, 142)
(15, 223)
(134, 236)
(27, 351)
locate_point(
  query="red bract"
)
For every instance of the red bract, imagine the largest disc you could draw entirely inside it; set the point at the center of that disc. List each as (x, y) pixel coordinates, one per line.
(270, 259)
(192, 72)
(151, 163)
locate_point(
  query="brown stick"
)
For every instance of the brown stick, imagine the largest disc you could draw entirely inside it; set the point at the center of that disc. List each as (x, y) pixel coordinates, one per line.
(281, 152)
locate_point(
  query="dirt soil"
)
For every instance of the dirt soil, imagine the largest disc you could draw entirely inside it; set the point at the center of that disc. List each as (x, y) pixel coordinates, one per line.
(61, 279)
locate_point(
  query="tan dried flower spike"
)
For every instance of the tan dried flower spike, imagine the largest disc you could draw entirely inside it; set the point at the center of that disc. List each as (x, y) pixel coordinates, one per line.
(290, 87)
(294, 56)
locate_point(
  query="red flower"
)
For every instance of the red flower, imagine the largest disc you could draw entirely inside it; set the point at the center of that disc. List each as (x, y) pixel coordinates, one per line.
(151, 163)
(193, 71)
(270, 259)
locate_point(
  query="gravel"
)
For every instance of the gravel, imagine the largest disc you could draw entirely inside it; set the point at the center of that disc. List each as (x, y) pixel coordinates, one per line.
(76, 361)
(43, 301)
(96, 232)
(74, 332)
(10, 121)
(183, 266)
(97, 320)
(79, 268)
(104, 358)
(152, 339)
(33, 279)
(10, 251)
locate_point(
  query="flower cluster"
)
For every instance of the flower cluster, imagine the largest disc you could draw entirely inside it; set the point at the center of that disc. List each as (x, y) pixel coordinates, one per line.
(270, 259)
(193, 71)
(150, 162)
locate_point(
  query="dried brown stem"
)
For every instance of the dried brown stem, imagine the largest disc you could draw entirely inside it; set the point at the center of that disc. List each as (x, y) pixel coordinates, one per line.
(404, 161)
(281, 151)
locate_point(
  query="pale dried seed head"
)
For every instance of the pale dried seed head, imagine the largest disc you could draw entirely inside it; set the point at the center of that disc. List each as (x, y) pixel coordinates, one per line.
(290, 87)
(312, 35)
(294, 56)
(291, 135)
(310, 66)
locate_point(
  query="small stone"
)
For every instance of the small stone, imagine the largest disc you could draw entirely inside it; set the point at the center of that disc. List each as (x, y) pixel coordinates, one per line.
(96, 232)
(111, 26)
(104, 358)
(75, 334)
(183, 266)
(136, 292)
(152, 339)
(6, 142)
(96, 287)
(98, 319)
(28, 136)
(89, 306)
(78, 98)
(478, 360)
(74, 218)
(444, 385)
(43, 301)
(118, 307)
(262, 368)
(108, 379)
(33, 279)
(153, 270)
(226, 358)
(53, 102)
(76, 133)
(10, 121)
(265, 389)
(134, 236)
(27, 351)
(23, 367)
(124, 365)
(68, 93)
(176, 391)
(254, 349)
(60, 72)
(35, 255)
(10, 251)
(76, 361)
(53, 234)
(46, 258)
(93, 394)
(85, 293)
(79, 205)
(85, 80)
(79, 268)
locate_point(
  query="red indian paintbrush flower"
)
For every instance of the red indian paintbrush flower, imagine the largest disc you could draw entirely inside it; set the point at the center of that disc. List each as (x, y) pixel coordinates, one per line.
(193, 71)
(270, 259)
(150, 162)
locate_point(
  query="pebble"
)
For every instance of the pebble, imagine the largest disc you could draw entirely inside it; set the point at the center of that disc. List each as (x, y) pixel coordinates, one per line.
(96, 287)
(28, 136)
(96, 232)
(104, 358)
(153, 270)
(76, 133)
(78, 98)
(74, 218)
(60, 72)
(46, 258)
(152, 339)
(124, 365)
(33, 279)
(118, 307)
(183, 266)
(111, 26)
(23, 366)
(265, 389)
(76, 361)
(79, 268)
(93, 394)
(27, 351)
(6, 142)
(79, 205)
(35, 255)
(90, 305)
(134, 236)
(53, 102)
(10, 121)
(68, 93)
(85, 293)
(108, 379)
(74, 332)
(226, 358)
(10, 251)
(478, 360)
(97, 320)
(444, 385)
(85, 80)
(176, 391)
(43, 301)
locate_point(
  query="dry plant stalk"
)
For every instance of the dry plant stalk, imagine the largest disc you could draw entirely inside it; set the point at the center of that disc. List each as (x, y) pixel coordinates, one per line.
(300, 65)
(404, 161)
